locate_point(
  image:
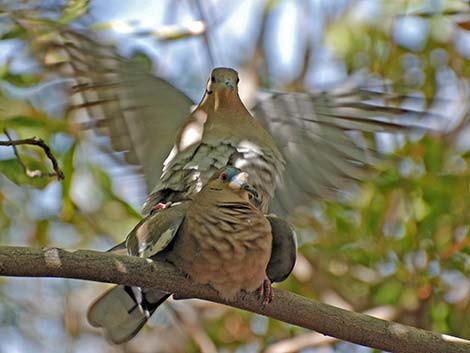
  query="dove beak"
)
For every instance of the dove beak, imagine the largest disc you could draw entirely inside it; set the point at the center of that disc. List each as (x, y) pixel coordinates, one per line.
(239, 182)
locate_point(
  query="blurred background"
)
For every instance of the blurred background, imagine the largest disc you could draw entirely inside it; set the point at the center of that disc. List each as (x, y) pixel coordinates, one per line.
(397, 246)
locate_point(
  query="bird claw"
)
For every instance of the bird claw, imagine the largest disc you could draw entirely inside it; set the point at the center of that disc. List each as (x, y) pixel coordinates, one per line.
(160, 206)
(266, 292)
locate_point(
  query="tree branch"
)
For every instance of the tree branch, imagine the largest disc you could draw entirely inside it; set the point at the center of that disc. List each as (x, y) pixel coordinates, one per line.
(288, 307)
(35, 142)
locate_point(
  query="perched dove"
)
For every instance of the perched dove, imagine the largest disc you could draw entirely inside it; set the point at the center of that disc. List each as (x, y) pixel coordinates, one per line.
(218, 237)
(298, 148)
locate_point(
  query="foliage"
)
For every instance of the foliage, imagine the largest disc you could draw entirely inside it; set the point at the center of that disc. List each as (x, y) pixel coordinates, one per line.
(400, 239)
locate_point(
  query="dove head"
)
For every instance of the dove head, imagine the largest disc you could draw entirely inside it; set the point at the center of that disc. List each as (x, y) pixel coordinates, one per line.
(234, 180)
(223, 81)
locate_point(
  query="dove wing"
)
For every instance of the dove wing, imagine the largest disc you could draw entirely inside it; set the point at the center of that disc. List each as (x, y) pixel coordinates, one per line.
(140, 112)
(315, 133)
(153, 234)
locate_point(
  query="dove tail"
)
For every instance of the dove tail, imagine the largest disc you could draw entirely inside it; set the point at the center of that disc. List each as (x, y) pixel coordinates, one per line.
(119, 249)
(122, 311)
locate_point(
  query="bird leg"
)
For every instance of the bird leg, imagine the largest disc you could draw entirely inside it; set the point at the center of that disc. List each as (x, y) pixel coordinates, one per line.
(266, 292)
(160, 206)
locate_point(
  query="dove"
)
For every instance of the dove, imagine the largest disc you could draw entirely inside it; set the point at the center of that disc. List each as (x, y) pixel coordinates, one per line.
(218, 237)
(297, 147)
(219, 132)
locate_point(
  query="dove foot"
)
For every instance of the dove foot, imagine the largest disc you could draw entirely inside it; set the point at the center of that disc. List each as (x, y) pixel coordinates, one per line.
(266, 292)
(160, 206)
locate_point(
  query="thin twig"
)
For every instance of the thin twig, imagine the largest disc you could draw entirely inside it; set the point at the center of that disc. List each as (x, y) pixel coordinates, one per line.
(206, 34)
(35, 142)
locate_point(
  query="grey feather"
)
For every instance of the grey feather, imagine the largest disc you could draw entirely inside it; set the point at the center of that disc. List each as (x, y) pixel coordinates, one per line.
(123, 311)
(126, 101)
(313, 132)
(155, 232)
(142, 114)
(120, 316)
(284, 249)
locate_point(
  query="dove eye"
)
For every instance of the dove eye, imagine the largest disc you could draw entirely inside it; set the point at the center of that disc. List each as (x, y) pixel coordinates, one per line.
(212, 79)
(224, 177)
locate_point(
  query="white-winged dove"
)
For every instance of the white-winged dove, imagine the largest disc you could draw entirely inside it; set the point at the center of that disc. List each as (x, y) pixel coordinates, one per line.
(218, 238)
(219, 132)
(298, 148)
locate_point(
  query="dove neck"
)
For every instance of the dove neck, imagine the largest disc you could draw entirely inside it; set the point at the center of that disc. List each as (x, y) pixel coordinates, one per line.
(222, 99)
(213, 194)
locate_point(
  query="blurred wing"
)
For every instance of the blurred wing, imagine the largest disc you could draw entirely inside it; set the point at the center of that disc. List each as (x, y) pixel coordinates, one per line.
(315, 133)
(138, 111)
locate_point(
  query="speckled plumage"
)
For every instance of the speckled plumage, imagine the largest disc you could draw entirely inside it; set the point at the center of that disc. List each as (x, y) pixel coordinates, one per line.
(304, 137)
(218, 237)
(219, 132)
(317, 134)
(224, 241)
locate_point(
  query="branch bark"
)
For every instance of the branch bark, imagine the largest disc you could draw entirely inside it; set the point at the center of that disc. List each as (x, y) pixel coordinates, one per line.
(288, 307)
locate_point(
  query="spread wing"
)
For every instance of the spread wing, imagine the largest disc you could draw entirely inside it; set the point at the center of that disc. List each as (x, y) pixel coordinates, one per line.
(315, 133)
(142, 115)
(140, 112)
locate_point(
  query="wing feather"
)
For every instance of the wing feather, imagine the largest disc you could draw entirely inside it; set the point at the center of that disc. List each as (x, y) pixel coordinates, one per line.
(140, 112)
(315, 133)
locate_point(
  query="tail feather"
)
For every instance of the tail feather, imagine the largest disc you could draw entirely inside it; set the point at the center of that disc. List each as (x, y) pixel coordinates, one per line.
(121, 313)
(119, 249)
